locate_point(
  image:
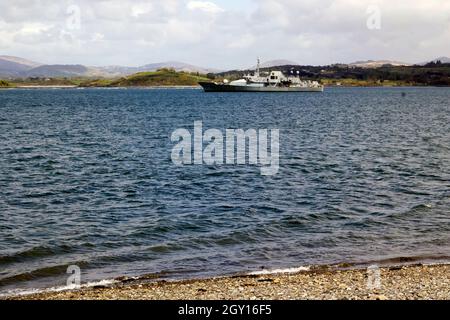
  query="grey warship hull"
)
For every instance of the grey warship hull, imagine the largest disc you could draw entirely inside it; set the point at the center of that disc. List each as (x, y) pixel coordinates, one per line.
(214, 87)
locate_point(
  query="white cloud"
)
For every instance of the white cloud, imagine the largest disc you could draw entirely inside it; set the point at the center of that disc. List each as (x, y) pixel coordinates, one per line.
(98, 36)
(245, 41)
(142, 8)
(206, 6)
(137, 32)
(34, 28)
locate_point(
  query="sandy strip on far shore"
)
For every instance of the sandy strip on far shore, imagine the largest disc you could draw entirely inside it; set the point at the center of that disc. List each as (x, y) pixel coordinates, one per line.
(407, 282)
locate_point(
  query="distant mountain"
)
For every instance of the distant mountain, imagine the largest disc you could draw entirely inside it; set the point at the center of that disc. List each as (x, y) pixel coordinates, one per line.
(369, 64)
(57, 70)
(177, 66)
(14, 66)
(114, 71)
(441, 59)
(25, 62)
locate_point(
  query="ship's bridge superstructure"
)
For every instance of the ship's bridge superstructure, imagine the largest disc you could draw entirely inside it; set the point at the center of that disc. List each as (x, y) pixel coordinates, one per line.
(274, 79)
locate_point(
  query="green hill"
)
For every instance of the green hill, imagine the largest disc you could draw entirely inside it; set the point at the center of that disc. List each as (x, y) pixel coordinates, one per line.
(5, 84)
(163, 77)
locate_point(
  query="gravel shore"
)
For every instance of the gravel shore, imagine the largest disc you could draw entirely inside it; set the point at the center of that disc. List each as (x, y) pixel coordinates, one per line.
(399, 283)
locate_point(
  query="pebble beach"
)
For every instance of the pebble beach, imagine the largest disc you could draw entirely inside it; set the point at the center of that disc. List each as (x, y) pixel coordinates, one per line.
(418, 282)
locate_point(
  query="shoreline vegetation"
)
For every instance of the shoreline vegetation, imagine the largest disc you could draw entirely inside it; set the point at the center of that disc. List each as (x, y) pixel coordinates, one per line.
(431, 74)
(5, 84)
(413, 282)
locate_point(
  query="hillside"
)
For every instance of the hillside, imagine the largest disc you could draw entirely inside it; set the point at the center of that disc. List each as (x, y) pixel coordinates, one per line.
(370, 64)
(275, 63)
(47, 82)
(5, 84)
(58, 71)
(15, 66)
(431, 74)
(441, 59)
(163, 77)
(30, 64)
(177, 66)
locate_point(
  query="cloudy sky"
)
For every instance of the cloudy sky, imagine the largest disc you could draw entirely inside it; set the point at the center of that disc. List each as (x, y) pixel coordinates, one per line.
(223, 33)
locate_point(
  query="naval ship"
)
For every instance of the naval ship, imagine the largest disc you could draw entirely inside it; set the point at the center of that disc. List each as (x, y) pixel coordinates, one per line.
(273, 81)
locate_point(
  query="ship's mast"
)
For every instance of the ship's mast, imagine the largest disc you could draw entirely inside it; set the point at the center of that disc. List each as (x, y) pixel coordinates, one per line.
(257, 68)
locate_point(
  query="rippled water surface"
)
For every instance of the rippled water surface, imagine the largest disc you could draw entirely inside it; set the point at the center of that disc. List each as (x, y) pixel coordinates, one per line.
(86, 178)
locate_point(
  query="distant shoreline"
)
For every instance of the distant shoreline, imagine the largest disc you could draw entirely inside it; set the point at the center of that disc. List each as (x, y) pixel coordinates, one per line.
(45, 87)
(195, 87)
(99, 87)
